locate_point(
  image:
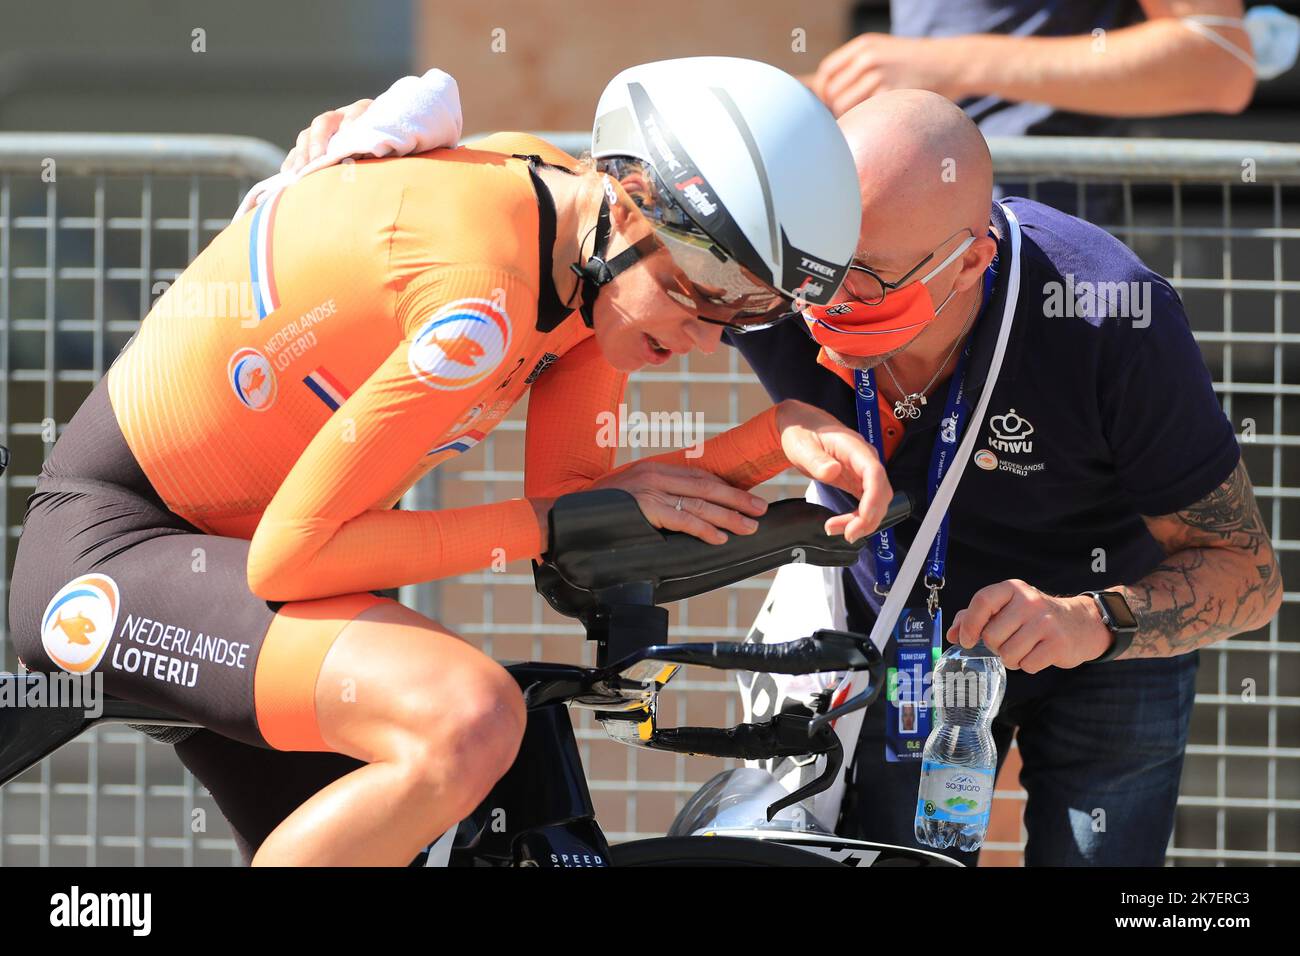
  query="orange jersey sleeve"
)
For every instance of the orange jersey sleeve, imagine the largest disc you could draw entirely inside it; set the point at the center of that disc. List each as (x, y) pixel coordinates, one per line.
(744, 456)
(321, 533)
(563, 455)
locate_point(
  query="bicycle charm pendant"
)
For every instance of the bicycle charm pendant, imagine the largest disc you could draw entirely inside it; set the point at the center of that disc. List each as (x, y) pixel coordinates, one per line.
(909, 406)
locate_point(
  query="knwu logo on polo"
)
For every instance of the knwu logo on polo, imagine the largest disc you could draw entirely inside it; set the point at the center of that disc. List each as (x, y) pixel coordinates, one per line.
(1011, 434)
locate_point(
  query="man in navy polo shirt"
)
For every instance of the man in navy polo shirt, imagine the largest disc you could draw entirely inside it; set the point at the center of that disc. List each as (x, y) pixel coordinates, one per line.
(1103, 464)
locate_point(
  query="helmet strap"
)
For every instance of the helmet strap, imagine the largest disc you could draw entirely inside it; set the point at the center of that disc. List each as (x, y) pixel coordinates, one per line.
(598, 271)
(592, 274)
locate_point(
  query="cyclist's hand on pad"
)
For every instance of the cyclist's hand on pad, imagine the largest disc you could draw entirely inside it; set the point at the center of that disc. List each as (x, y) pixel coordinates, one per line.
(313, 141)
(681, 498)
(820, 446)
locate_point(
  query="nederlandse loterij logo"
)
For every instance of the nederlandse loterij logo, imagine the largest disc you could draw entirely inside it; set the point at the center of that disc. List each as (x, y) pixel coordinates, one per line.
(461, 345)
(252, 378)
(79, 622)
(1011, 433)
(986, 459)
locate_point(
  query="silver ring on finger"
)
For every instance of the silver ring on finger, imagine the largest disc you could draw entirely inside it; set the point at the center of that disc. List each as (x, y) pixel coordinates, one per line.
(678, 506)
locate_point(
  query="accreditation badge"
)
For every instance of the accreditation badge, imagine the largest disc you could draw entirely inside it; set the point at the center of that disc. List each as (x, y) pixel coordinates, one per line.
(916, 649)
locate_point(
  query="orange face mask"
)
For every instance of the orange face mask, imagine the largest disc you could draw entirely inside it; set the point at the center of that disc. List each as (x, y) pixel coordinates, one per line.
(856, 328)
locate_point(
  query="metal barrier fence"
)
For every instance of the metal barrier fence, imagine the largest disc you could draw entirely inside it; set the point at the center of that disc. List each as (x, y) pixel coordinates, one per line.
(88, 225)
(80, 252)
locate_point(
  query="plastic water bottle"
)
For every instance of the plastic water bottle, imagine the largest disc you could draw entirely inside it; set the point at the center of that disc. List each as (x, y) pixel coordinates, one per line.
(960, 759)
(1275, 38)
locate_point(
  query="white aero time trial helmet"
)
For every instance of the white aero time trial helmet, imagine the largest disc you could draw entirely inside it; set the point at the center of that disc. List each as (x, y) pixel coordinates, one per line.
(743, 172)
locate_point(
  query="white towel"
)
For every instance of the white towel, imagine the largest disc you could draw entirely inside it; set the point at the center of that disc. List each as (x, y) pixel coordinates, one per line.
(415, 114)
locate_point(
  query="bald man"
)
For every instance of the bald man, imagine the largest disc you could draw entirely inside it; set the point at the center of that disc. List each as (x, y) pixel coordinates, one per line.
(1104, 464)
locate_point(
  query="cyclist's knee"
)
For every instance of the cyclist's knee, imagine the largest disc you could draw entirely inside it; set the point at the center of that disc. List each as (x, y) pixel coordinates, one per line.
(419, 697)
(468, 736)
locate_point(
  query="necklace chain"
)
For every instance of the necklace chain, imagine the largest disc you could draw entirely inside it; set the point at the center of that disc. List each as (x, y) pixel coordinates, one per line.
(909, 406)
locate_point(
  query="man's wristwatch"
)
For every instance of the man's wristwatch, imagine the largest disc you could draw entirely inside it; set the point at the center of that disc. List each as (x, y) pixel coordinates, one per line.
(1119, 618)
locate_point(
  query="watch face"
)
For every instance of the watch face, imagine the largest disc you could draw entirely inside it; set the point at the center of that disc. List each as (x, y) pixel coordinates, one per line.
(1121, 618)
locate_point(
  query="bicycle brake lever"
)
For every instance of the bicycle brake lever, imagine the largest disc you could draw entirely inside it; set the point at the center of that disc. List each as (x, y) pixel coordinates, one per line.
(834, 760)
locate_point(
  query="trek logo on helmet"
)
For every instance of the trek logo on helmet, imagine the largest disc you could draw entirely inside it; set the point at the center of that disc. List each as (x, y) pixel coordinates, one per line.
(799, 266)
(820, 267)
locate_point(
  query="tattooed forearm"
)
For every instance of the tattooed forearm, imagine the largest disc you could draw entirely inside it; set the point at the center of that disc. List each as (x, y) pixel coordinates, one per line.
(1220, 577)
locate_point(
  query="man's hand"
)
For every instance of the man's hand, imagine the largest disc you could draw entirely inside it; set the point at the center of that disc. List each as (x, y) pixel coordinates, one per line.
(821, 447)
(313, 141)
(709, 507)
(876, 62)
(1031, 630)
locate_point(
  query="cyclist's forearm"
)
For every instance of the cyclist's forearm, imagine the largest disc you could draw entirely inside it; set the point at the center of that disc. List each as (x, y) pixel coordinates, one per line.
(744, 456)
(1155, 68)
(304, 559)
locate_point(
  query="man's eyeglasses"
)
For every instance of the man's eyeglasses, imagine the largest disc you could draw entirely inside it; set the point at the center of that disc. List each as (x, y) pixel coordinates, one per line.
(866, 286)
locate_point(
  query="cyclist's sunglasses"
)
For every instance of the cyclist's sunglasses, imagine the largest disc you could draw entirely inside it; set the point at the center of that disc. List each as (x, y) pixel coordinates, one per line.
(711, 283)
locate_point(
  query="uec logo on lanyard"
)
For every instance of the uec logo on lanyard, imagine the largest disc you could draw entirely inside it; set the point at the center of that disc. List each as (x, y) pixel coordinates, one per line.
(950, 427)
(954, 417)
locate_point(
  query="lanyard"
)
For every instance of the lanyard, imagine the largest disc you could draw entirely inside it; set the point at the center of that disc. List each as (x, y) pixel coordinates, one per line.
(955, 412)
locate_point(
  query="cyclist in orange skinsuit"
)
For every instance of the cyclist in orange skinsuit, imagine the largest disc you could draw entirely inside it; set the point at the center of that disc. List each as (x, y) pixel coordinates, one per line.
(316, 360)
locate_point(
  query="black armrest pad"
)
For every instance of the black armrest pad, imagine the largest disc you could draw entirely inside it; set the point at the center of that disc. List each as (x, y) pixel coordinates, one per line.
(600, 539)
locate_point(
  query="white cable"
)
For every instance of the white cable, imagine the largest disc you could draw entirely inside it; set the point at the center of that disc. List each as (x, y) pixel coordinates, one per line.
(848, 727)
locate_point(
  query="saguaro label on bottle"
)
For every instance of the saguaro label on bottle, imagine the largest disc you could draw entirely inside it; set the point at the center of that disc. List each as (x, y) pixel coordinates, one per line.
(954, 794)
